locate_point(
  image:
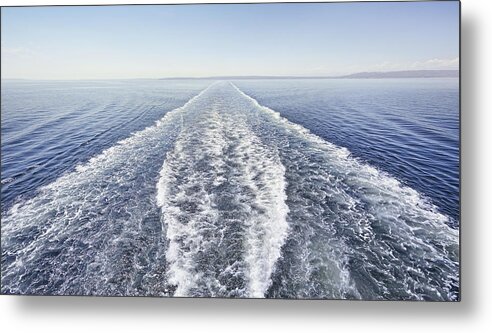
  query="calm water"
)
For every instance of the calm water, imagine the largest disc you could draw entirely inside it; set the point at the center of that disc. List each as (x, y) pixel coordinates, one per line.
(407, 127)
(344, 189)
(49, 127)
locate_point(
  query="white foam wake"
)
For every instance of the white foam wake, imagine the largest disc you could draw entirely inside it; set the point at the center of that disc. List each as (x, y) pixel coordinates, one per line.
(244, 196)
(360, 218)
(222, 194)
(92, 230)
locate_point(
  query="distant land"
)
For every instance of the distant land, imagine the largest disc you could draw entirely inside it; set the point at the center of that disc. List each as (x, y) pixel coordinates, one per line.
(361, 75)
(454, 73)
(404, 74)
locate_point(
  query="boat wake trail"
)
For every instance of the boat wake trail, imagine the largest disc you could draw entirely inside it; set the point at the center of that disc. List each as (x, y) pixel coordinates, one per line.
(97, 230)
(222, 194)
(356, 232)
(247, 204)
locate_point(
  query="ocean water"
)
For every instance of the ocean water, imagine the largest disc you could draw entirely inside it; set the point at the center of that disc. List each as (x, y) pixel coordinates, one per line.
(336, 189)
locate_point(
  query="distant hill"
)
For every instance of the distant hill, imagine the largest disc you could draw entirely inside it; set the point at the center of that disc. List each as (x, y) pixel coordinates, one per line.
(404, 74)
(248, 77)
(362, 75)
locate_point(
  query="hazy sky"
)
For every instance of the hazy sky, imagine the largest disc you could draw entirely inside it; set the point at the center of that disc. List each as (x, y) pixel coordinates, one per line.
(203, 40)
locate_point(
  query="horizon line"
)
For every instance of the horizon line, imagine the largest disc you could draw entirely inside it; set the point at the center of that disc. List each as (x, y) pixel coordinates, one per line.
(439, 73)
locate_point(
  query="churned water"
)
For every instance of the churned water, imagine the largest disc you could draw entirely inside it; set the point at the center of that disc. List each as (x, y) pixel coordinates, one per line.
(338, 189)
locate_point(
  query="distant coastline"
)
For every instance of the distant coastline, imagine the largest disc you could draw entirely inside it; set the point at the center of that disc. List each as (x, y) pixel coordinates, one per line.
(405, 74)
(454, 73)
(361, 75)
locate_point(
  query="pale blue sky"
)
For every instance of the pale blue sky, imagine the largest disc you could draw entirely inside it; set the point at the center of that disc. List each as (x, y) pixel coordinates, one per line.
(204, 40)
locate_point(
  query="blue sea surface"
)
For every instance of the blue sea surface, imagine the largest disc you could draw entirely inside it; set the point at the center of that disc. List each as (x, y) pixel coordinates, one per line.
(407, 127)
(48, 127)
(329, 188)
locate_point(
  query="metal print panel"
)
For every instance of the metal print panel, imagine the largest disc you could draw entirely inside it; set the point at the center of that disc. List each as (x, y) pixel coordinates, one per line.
(288, 150)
